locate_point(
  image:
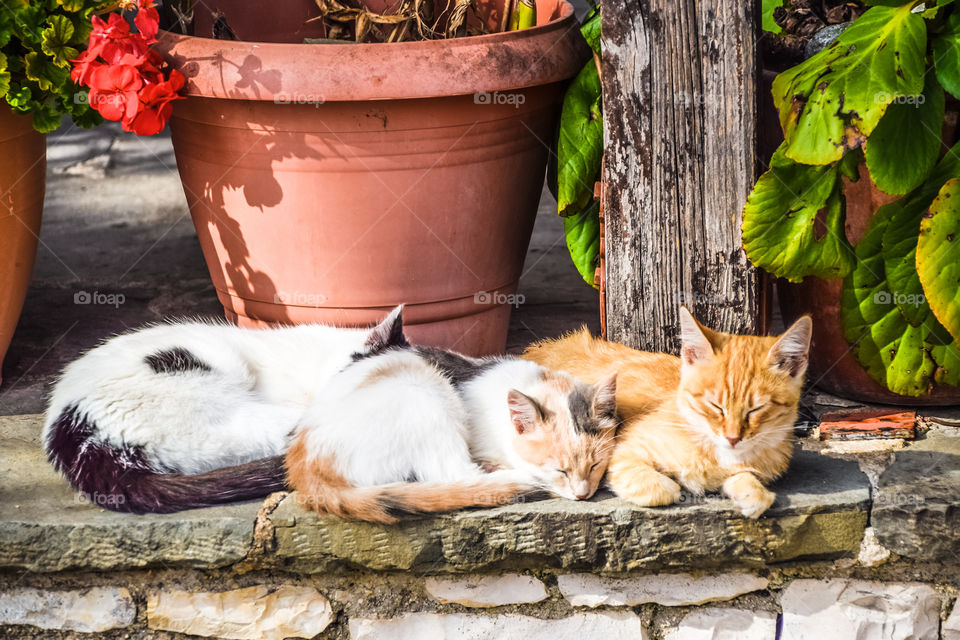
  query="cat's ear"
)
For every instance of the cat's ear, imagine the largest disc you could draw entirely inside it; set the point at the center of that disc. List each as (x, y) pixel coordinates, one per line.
(524, 411)
(695, 345)
(789, 353)
(605, 396)
(388, 333)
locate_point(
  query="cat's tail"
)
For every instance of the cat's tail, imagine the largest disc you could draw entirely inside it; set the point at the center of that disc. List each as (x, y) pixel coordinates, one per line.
(320, 488)
(121, 479)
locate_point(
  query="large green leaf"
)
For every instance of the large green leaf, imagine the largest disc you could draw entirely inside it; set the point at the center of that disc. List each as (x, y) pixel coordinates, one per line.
(946, 54)
(580, 142)
(583, 240)
(938, 256)
(894, 353)
(766, 16)
(900, 239)
(834, 100)
(793, 222)
(56, 40)
(591, 31)
(904, 146)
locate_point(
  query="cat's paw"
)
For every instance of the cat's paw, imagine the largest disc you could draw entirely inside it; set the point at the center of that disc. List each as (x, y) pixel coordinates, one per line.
(748, 494)
(755, 502)
(655, 490)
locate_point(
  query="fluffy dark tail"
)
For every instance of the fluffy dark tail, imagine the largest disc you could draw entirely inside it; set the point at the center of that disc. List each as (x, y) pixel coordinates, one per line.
(319, 487)
(123, 480)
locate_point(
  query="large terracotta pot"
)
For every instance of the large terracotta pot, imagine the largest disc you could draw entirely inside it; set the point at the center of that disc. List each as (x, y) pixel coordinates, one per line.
(833, 366)
(330, 182)
(23, 168)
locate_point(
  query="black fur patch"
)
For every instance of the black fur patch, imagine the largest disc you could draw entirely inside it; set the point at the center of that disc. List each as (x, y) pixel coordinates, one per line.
(121, 478)
(581, 410)
(397, 508)
(458, 368)
(176, 360)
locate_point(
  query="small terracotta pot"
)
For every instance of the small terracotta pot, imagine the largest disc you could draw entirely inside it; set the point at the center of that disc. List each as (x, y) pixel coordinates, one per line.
(331, 182)
(23, 170)
(833, 366)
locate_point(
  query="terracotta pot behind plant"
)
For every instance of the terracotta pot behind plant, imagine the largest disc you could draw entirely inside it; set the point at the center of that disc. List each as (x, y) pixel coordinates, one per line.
(23, 167)
(336, 181)
(833, 366)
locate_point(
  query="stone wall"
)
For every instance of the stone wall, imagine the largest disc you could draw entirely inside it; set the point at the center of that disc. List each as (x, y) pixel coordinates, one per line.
(842, 602)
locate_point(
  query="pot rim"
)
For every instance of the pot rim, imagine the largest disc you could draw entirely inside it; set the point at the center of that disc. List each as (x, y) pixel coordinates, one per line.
(328, 72)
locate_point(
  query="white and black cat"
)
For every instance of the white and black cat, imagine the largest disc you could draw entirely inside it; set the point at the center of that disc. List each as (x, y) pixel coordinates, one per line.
(405, 431)
(192, 414)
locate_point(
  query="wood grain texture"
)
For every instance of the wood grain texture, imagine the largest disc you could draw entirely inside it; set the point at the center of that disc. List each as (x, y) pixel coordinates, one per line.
(680, 85)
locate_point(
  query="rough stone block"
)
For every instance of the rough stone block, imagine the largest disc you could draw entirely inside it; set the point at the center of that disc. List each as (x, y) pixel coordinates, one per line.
(87, 610)
(457, 626)
(725, 624)
(487, 591)
(45, 526)
(821, 511)
(844, 609)
(670, 589)
(254, 613)
(951, 628)
(916, 512)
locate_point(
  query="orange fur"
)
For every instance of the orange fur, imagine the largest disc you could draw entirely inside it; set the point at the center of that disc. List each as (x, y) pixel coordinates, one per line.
(320, 488)
(675, 413)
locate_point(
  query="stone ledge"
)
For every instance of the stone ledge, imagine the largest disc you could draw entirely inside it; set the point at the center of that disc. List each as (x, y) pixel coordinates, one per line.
(821, 511)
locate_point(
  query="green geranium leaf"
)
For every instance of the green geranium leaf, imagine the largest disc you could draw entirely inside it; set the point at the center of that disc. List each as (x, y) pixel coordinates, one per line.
(946, 54)
(834, 100)
(904, 146)
(591, 31)
(4, 75)
(767, 9)
(71, 5)
(793, 222)
(580, 143)
(947, 358)
(19, 97)
(45, 118)
(583, 240)
(938, 256)
(55, 40)
(41, 70)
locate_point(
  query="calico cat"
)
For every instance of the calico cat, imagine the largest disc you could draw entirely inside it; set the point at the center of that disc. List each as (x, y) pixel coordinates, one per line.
(720, 417)
(192, 414)
(406, 431)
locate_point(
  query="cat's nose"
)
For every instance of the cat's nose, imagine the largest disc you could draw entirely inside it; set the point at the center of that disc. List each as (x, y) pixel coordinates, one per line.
(733, 440)
(582, 495)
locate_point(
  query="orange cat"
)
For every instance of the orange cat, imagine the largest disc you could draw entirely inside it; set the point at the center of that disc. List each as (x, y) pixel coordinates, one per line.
(720, 417)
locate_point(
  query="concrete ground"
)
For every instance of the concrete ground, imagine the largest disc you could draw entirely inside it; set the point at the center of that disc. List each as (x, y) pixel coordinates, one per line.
(116, 224)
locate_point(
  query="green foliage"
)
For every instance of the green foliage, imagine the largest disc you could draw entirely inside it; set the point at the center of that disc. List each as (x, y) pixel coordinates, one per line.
(767, 23)
(781, 232)
(875, 96)
(37, 42)
(833, 100)
(938, 256)
(579, 150)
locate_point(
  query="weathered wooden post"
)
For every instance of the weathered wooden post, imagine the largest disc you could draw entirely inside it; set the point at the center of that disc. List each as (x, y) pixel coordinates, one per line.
(680, 81)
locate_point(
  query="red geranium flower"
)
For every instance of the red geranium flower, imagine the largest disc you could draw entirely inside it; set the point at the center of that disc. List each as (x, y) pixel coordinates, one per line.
(113, 91)
(155, 107)
(112, 40)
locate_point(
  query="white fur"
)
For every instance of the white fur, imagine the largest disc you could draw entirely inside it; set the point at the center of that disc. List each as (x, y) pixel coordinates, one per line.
(395, 418)
(244, 409)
